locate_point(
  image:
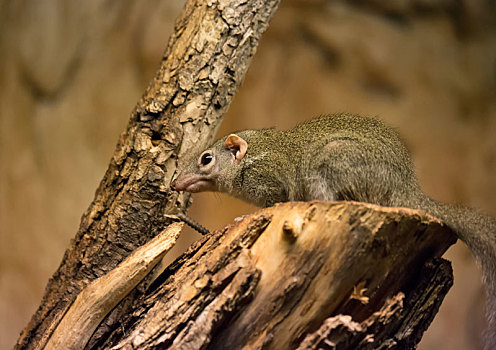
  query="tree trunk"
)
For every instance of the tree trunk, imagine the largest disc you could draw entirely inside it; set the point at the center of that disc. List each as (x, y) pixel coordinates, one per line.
(204, 64)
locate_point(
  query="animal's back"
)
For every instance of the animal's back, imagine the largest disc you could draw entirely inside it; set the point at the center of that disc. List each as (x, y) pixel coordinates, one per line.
(350, 157)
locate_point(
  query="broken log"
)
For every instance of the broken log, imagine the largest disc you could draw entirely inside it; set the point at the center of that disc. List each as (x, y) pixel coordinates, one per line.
(306, 275)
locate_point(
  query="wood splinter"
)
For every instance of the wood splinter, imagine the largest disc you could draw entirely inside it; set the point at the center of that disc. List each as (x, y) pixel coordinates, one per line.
(104, 293)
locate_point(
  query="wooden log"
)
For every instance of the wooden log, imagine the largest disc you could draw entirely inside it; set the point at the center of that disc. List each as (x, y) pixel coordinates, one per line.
(299, 275)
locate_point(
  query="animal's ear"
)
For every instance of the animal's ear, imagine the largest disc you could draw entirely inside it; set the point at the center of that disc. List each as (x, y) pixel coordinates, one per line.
(237, 146)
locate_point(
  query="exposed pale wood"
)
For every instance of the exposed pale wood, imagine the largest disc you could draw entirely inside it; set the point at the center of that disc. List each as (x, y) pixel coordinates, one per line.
(101, 295)
(276, 276)
(204, 64)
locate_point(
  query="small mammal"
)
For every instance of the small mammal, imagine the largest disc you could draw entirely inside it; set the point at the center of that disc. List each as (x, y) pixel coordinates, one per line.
(330, 158)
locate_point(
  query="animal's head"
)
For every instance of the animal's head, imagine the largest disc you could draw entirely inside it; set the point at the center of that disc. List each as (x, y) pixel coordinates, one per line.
(212, 168)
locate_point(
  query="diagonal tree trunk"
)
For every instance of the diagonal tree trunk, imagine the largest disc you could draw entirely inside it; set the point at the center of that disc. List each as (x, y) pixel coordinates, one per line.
(204, 64)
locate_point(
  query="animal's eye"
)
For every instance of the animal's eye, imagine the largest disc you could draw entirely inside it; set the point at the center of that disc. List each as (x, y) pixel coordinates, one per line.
(206, 158)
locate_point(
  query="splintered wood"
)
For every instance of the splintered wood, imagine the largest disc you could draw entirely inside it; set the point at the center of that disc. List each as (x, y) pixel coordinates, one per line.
(299, 275)
(104, 293)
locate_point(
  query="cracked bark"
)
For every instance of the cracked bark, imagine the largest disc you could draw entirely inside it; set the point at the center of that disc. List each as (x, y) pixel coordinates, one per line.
(204, 64)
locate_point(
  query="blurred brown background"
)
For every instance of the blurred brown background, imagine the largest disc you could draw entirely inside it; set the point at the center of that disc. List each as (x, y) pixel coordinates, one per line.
(71, 71)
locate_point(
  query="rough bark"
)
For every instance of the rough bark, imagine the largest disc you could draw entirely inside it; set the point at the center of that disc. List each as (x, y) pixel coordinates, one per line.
(204, 64)
(299, 275)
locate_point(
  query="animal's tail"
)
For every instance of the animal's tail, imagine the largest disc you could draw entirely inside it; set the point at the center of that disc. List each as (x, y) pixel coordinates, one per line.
(478, 232)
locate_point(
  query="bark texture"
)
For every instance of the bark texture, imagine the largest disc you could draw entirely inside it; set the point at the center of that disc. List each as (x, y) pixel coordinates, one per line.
(205, 62)
(299, 275)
